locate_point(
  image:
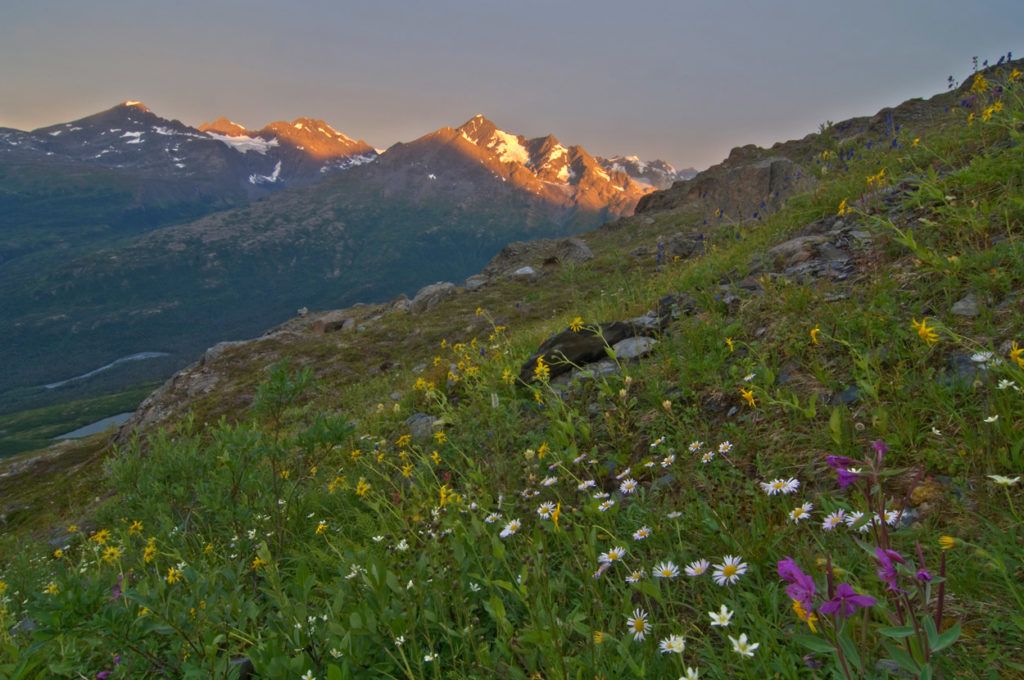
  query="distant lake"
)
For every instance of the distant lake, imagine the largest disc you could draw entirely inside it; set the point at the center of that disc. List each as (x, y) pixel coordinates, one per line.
(99, 426)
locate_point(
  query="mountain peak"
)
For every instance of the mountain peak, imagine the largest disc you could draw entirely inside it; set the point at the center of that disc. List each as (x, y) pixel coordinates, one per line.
(136, 104)
(223, 126)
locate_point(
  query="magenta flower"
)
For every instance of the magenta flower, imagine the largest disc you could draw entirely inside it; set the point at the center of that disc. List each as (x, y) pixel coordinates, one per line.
(887, 570)
(842, 464)
(801, 586)
(846, 601)
(880, 449)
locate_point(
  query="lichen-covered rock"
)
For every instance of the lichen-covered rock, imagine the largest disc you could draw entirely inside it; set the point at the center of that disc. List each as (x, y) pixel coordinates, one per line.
(430, 296)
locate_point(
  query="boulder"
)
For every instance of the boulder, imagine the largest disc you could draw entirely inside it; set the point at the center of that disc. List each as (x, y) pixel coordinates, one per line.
(571, 349)
(476, 282)
(539, 253)
(430, 296)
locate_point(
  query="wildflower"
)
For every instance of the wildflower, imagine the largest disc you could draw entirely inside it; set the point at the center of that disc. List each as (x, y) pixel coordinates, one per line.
(668, 460)
(1017, 354)
(430, 657)
(721, 617)
(541, 371)
(725, 447)
(728, 341)
(355, 571)
(749, 396)
(729, 571)
(150, 552)
(843, 209)
(510, 529)
(399, 641)
(402, 545)
(308, 675)
(833, 519)
(100, 536)
(696, 446)
(135, 528)
(1005, 384)
(112, 554)
(174, 574)
(674, 514)
(946, 542)
(707, 457)
(321, 528)
(583, 486)
(548, 481)
(628, 485)
(666, 570)
(779, 485)
(887, 570)
(624, 473)
(673, 644)
(635, 576)
(749, 376)
(979, 85)
(436, 457)
(801, 512)
(992, 419)
(846, 601)
(73, 528)
(917, 140)
(546, 509)
(493, 517)
(641, 533)
(576, 325)
(697, 567)
(616, 553)
(924, 332)
(814, 335)
(667, 405)
(890, 517)
(637, 624)
(1004, 481)
(801, 586)
(598, 637)
(805, 615)
(51, 589)
(257, 564)
(57, 554)
(853, 520)
(691, 674)
(842, 465)
(362, 487)
(742, 647)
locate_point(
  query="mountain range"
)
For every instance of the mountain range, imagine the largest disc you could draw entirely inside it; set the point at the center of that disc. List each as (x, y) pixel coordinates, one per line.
(124, 233)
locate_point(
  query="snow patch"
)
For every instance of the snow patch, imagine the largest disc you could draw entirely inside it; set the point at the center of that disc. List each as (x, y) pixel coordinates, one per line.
(179, 165)
(244, 144)
(136, 137)
(350, 162)
(55, 133)
(564, 174)
(266, 179)
(431, 176)
(508, 148)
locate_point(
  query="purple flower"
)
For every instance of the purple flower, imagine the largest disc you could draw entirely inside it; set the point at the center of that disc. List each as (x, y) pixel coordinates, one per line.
(841, 465)
(846, 601)
(116, 590)
(924, 575)
(887, 572)
(801, 586)
(880, 449)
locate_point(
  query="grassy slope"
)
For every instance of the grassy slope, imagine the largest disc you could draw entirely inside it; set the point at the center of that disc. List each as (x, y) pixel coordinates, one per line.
(264, 531)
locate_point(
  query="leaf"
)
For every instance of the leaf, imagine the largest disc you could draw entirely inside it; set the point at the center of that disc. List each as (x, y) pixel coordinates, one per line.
(334, 673)
(926, 672)
(900, 656)
(815, 644)
(897, 631)
(850, 650)
(931, 632)
(946, 639)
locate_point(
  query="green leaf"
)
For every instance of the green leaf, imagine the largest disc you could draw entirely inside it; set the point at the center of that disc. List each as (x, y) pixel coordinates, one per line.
(926, 672)
(815, 644)
(930, 631)
(850, 650)
(897, 631)
(900, 656)
(946, 639)
(334, 673)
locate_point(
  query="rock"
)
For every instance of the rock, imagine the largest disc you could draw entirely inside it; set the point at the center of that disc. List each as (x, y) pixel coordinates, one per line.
(421, 425)
(540, 253)
(966, 306)
(400, 303)
(476, 282)
(431, 296)
(570, 349)
(526, 273)
(246, 670)
(633, 348)
(332, 322)
(684, 245)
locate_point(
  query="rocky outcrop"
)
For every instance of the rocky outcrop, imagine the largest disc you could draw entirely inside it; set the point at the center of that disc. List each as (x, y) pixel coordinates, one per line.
(431, 296)
(539, 254)
(739, 189)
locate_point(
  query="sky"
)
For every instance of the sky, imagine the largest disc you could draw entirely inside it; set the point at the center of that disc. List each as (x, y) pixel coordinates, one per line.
(680, 80)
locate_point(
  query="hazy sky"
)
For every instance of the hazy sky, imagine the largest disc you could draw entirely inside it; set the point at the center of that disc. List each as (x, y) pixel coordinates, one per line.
(681, 80)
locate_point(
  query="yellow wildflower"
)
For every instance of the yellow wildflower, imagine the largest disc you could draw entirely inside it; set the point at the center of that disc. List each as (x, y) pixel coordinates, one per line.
(479, 311)
(3, 587)
(946, 542)
(598, 637)
(135, 528)
(150, 552)
(258, 563)
(814, 335)
(285, 474)
(577, 325)
(355, 454)
(543, 450)
(362, 487)
(100, 536)
(749, 396)
(1014, 75)
(143, 611)
(437, 361)
(440, 437)
(51, 589)
(407, 470)
(436, 457)
(924, 332)
(555, 513)
(57, 554)
(403, 440)
(73, 528)
(728, 341)
(174, 575)
(335, 483)
(804, 615)
(970, 119)
(843, 208)
(1015, 354)
(980, 84)
(541, 371)
(667, 405)
(208, 549)
(111, 554)
(445, 494)
(537, 398)
(917, 140)
(507, 377)
(718, 212)
(321, 528)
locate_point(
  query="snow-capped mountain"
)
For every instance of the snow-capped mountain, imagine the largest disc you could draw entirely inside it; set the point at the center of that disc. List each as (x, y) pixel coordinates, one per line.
(222, 156)
(657, 174)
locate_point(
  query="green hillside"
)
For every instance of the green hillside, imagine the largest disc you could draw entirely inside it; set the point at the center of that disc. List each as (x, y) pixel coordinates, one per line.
(814, 473)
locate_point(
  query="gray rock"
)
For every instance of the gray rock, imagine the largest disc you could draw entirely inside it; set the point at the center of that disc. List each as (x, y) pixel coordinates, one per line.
(526, 273)
(476, 282)
(966, 306)
(539, 253)
(633, 348)
(421, 425)
(431, 296)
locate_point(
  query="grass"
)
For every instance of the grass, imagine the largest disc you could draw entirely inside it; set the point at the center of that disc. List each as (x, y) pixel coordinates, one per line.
(292, 519)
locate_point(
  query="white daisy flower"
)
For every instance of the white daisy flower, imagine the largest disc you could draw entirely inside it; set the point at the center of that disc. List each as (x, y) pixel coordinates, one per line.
(729, 571)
